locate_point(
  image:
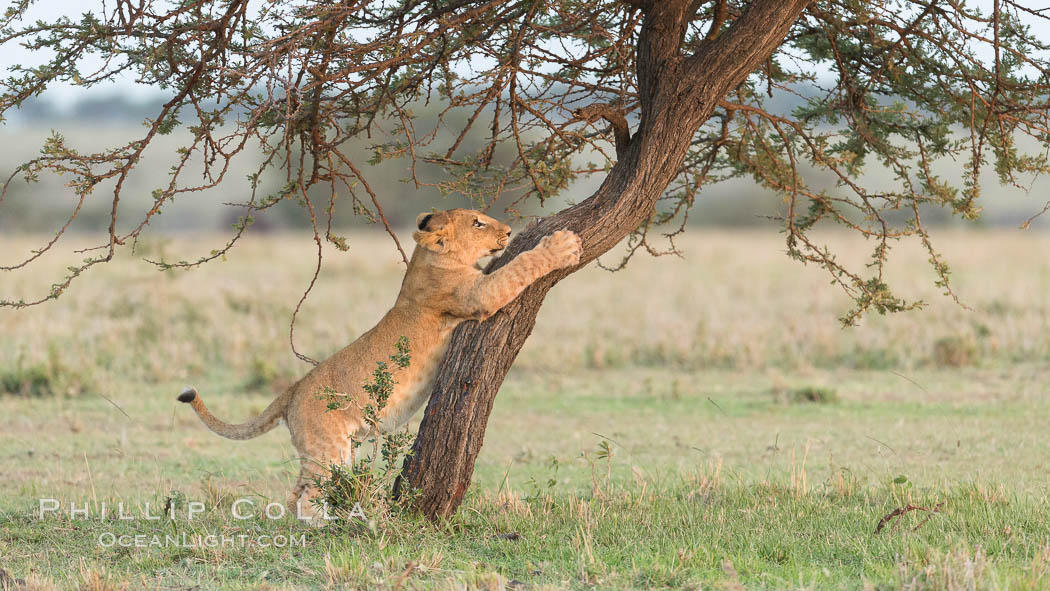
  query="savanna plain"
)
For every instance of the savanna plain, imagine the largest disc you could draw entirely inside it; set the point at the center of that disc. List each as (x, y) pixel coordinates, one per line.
(698, 422)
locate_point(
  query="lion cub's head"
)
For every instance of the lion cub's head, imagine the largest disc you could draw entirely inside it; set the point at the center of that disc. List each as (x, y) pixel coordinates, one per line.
(465, 234)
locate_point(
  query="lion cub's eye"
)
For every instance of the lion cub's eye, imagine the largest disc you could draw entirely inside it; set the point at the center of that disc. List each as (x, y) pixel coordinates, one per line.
(479, 224)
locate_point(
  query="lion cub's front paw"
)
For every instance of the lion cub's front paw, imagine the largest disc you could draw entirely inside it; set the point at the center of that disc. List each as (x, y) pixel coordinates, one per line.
(564, 246)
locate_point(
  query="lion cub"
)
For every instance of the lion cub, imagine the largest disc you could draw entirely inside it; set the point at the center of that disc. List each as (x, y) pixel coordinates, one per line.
(443, 287)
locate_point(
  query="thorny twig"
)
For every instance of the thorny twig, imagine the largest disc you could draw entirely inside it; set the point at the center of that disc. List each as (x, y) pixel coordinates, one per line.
(904, 510)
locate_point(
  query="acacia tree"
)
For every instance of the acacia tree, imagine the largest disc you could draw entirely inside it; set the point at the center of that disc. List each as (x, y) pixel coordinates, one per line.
(656, 98)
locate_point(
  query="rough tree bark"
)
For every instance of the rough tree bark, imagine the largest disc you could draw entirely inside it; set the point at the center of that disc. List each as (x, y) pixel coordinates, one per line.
(677, 94)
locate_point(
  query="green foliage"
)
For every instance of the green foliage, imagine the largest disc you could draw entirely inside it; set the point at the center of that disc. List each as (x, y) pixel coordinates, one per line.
(378, 390)
(382, 384)
(366, 485)
(813, 394)
(26, 381)
(803, 395)
(955, 351)
(369, 480)
(264, 375)
(540, 491)
(52, 378)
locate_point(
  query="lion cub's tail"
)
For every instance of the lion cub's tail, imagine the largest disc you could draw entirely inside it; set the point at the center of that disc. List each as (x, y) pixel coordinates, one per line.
(254, 428)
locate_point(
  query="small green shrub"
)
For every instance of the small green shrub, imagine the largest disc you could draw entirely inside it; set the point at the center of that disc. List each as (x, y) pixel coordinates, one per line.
(597, 356)
(34, 380)
(874, 358)
(367, 483)
(43, 379)
(264, 375)
(954, 351)
(813, 394)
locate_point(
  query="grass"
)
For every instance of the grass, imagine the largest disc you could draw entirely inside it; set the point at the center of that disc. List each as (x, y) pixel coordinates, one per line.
(697, 533)
(709, 428)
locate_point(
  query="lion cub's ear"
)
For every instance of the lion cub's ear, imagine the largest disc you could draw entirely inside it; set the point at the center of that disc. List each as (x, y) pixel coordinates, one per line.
(434, 231)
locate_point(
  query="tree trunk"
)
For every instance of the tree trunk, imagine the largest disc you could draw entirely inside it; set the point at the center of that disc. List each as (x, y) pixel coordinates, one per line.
(677, 93)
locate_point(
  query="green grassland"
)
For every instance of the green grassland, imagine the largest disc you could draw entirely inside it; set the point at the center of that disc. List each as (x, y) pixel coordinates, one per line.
(699, 422)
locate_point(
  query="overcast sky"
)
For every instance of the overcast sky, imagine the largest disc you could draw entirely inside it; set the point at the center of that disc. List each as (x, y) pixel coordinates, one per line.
(65, 94)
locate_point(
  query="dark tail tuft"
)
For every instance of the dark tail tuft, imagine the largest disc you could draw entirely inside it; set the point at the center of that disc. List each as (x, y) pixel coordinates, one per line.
(187, 395)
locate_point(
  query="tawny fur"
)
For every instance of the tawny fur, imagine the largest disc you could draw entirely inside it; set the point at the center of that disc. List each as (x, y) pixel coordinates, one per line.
(443, 287)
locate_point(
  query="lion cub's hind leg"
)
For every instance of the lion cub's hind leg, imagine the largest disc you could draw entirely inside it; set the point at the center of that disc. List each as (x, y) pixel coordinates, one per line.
(316, 459)
(305, 501)
(304, 498)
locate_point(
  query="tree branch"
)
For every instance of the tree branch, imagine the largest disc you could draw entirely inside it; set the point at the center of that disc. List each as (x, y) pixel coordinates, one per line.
(659, 44)
(717, 21)
(639, 4)
(746, 43)
(615, 118)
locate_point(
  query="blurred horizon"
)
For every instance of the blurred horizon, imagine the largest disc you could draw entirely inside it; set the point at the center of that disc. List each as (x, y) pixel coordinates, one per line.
(99, 119)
